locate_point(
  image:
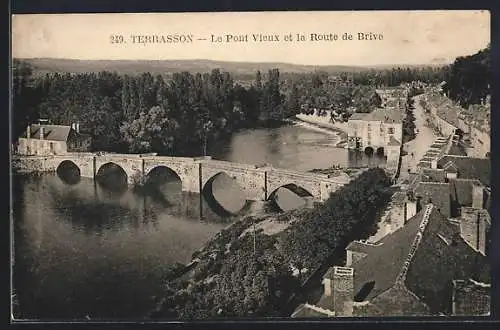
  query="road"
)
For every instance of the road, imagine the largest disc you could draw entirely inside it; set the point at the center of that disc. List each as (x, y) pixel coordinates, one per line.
(418, 146)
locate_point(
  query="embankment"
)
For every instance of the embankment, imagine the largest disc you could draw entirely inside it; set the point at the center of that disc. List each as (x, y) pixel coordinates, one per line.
(321, 124)
(30, 164)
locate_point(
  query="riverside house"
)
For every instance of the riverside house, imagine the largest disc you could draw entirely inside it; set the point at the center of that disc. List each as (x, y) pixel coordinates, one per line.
(47, 139)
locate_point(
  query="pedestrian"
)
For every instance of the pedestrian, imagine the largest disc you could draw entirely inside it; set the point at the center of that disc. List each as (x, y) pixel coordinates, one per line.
(412, 156)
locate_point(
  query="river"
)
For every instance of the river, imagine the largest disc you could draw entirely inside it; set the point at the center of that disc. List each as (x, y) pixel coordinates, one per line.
(84, 251)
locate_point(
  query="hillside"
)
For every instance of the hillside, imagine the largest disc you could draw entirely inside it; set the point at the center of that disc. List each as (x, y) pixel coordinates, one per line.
(46, 65)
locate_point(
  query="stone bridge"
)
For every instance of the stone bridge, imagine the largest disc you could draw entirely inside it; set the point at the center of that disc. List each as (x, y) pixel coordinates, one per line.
(257, 182)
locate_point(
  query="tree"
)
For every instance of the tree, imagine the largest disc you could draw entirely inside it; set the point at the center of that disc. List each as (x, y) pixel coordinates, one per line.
(151, 132)
(470, 77)
(293, 106)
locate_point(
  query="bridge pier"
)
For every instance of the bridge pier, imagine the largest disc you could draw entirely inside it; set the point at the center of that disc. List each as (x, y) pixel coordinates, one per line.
(257, 182)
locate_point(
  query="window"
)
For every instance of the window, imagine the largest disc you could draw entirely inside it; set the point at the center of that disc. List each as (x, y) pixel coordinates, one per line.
(52, 147)
(391, 130)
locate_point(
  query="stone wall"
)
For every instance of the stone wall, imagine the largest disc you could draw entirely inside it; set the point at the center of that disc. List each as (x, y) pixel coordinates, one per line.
(470, 299)
(258, 182)
(40, 147)
(250, 179)
(474, 225)
(186, 168)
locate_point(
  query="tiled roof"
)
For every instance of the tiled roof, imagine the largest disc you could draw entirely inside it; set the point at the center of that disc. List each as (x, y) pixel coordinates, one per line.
(51, 132)
(384, 263)
(306, 310)
(457, 150)
(357, 246)
(437, 193)
(424, 164)
(449, 113)
(470, 168)
(436, 263)
(433, 175)
(381, 114)
(461, 194)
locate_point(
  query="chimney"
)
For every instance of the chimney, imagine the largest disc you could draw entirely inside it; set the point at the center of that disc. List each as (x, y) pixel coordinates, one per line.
(434, 163)
(339, 285)
(73, 126)
(41, 132)
(477, 196)
(28, 131)
(473, 228)
(482, 229)
(77, 127)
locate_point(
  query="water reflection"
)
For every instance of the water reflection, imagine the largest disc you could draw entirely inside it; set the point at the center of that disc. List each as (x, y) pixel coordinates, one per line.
(68, 172)
(113, 177)
(83, 250)
(100, 248)
(290, 197)
(293, 147)
(224, 196)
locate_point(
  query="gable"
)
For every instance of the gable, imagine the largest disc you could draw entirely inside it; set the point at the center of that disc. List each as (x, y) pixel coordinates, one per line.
(450, 167)
(435, 193)
(436, 264)
(378, 271)
(469, 167)
(399, 301)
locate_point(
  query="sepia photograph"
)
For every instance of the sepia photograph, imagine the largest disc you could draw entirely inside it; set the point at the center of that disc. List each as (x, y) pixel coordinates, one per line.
(250, 165)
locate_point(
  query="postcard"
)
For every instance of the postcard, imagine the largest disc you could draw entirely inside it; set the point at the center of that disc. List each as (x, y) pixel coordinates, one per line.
(236, 165)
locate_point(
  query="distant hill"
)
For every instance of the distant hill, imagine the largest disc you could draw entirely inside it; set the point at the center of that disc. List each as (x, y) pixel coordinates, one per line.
(47, 65)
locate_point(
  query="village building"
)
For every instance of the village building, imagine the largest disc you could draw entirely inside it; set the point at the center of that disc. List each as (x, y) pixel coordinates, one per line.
(47, 139)
(425, 268)
(469, 126)
(379, 131)
(434, 258)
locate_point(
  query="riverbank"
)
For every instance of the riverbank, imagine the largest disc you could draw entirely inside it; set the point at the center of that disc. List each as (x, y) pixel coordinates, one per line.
(321, 124)
(261, 266)
(29, 165)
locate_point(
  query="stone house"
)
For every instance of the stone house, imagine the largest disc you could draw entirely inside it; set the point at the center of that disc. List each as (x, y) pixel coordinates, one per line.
(379, 131)
(418, 270)
(46, 139)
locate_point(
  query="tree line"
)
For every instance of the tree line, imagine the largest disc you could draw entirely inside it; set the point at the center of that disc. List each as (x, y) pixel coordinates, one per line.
(469, 78)
(234, 280)
(147, 113)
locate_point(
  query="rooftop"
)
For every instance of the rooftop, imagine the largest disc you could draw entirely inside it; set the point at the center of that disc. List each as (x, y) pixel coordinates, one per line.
(307, 310)
(386, 115)
(50, 132)
(469, 167)
(437, 193)
(432, 268)
(433, 175)
(356, 246)
(461, 194)
(457, 149)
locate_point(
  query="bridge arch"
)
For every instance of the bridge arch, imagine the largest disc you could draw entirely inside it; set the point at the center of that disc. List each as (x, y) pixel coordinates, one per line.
(290, 196)
(223, 194)
(161, 174)
(164, 185)
(111, 175)
(68, 172)
(293, 187)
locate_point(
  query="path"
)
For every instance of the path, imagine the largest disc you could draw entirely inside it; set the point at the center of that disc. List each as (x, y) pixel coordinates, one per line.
(418, 146)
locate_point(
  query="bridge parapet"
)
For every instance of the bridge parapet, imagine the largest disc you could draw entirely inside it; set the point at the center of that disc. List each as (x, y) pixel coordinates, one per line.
(257, 181)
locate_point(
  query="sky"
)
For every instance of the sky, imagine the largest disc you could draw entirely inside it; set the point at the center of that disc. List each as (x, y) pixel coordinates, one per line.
(408, 37)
